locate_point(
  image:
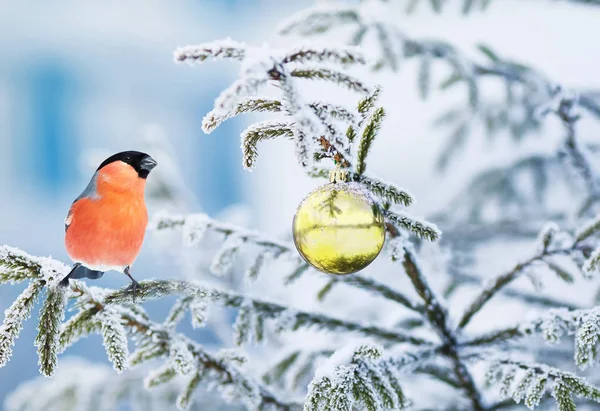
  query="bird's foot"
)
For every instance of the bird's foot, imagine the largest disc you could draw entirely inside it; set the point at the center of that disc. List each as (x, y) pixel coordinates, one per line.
(133, 289)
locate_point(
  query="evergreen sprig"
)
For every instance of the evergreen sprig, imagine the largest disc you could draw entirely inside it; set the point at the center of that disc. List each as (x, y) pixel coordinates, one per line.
(368, 135)
(396, 46)
(529, 382)
(367, 379)
(51, 316)
(15, 315)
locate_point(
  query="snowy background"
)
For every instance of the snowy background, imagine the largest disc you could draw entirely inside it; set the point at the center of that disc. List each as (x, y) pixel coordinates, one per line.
(81, 76)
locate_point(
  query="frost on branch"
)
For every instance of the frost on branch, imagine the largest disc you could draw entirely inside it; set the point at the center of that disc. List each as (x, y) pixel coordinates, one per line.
(304, 122)
(19, 311)
(217, 50)
(315, 128)
(584, 324)
(258, 132)
(85, 386)
(527, 91)
(529, 382)
(51, 315)
(356, 375)
(114, 338)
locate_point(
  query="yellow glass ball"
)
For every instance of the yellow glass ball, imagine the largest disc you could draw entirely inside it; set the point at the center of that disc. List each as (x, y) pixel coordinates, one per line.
(338, 228)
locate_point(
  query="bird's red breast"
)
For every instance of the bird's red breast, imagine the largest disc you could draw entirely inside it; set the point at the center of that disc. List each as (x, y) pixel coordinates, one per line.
(106, 227)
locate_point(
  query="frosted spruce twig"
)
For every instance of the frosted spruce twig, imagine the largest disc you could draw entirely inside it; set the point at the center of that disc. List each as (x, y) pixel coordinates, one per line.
(152, 289)
(370, 285)
(141, 325)
(503, 280)
(438, 318)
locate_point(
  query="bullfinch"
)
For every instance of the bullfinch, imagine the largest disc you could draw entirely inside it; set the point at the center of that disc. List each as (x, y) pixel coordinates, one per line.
(106, 224)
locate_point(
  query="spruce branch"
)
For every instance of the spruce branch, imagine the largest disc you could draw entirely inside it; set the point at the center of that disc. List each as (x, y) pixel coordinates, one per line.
(51, 315)
(396, 45)
(537, 379)
(377, 288)
(194, 226)
(322, 110)
(361, 375)
(80, 325)
(574, 150)
(342, 55)
(526, 297)
(370, 131)
(425, 230)
(499, 282)
(85, 386)
(250, 105)
(291, 319)
(438, 318)
(385, 191)
(255, 133)
(309, 123)
(19, 311)
(318, 20)
(98, 305)
(156, 336)
(114, 338)
(17, 266)
(223, 49)
(331, 75)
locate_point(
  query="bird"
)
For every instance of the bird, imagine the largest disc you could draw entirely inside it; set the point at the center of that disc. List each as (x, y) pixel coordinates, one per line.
(106, 224)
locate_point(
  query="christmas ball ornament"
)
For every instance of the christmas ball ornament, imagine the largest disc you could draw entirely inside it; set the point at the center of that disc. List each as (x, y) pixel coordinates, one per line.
(338, 228)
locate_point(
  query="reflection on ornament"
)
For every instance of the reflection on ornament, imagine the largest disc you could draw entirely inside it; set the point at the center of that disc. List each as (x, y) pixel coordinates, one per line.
(338, 228)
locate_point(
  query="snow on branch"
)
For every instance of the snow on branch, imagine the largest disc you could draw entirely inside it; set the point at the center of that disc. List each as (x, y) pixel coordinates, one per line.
(250, 105)
(437, 316)
(312, 126)
(262, 66)
(99, 312)
(14, 316)
(529, 382)
(194, 227)
(552, 243)
(385, 191)
(583, 324)
(223, 49)
(52, 314)
(258, 132)
(359, 375)
(285, 318)
(83, 385)
(421, 229)
(331, 75)
(528, 91)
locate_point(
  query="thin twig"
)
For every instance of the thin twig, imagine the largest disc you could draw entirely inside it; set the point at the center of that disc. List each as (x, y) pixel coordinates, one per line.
(438, 318)
(503, 280)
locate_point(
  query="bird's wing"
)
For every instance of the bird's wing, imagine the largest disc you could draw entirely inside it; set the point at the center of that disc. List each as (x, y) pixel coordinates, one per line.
(89, 192)
(69, 218)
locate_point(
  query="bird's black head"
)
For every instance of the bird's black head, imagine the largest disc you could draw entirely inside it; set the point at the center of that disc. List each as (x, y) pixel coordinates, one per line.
(141, 162)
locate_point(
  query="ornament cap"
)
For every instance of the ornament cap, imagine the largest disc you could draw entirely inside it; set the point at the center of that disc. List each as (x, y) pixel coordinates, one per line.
(338, 175)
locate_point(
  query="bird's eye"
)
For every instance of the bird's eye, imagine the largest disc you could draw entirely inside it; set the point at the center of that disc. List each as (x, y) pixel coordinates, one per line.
(126, 159)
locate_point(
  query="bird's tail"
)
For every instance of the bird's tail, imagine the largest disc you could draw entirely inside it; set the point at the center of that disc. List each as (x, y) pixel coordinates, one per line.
(79, 271)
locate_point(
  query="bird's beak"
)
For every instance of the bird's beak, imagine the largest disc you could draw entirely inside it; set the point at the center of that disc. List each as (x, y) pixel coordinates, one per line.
(148, 163)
